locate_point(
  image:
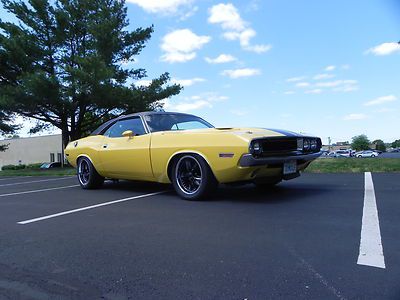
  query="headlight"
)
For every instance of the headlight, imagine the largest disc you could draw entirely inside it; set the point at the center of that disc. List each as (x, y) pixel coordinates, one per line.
(300, 144)
(256, 148)
(314, 144)
(307, 144)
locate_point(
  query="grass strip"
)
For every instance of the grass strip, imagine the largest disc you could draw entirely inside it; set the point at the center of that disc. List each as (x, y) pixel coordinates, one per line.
(39, 172)
(354, 165)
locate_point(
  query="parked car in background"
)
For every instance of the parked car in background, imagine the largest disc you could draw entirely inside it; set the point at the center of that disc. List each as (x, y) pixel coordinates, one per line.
(343, 153)
(51, 165)
(367, 153)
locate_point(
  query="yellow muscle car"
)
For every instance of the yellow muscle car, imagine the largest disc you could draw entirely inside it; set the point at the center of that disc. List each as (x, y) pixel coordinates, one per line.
(188, 152)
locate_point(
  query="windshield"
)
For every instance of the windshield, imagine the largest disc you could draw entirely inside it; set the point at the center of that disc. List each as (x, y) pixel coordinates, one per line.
(167, 122)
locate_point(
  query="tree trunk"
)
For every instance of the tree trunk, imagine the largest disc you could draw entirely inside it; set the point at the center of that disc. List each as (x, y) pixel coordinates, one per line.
(64, 141)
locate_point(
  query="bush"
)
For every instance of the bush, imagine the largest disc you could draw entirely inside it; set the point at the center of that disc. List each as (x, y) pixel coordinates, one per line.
(34, 166)
(13, 167)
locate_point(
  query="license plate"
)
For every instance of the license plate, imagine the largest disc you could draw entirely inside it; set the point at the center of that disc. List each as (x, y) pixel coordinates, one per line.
(289, 167)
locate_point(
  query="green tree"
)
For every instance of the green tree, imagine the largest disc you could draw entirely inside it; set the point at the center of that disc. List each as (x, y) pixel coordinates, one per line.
(396, 144)
(66, 63)
(360, 142)
(380, 145)
(6, 126)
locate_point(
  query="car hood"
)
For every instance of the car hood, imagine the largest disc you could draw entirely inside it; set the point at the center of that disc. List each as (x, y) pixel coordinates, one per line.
(244, 132)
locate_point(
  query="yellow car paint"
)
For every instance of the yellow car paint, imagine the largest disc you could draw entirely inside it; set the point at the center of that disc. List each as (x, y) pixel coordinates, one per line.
(148, 156)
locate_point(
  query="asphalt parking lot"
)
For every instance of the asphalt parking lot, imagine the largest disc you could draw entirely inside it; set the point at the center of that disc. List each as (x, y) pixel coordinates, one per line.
(128, 240)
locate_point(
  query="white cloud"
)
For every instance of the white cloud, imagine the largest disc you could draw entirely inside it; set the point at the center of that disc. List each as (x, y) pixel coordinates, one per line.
(302, 84)
(329, 83)
(355, 116)
(330, 68)
(188, 14)
(192, 105)
(237, 73)
(347, 85)
(381, 100)
(228, 17)
(161, 6)
(205, 100)
(220, 59)
(181, 45)
(346, 88)
(345, 67)
(318, 87)
(289, 92)
(314, 91)
(384, 49)
(187, 82)
(258, 48)
(294, 79)
(323, 76)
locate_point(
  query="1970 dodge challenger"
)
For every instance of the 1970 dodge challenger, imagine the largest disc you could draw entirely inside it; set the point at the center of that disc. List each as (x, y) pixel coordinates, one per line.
(188, 152)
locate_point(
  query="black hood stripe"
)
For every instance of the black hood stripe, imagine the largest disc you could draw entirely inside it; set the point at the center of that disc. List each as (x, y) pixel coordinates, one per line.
(285, 132)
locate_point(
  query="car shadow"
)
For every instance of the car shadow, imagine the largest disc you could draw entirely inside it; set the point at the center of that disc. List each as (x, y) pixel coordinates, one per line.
(135, 186)
(284, 192)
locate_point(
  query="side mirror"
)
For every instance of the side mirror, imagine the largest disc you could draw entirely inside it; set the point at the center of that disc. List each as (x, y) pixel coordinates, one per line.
(128, 134)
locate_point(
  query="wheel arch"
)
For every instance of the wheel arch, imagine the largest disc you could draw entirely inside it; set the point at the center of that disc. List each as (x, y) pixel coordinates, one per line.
(83, 155)
(174, 157)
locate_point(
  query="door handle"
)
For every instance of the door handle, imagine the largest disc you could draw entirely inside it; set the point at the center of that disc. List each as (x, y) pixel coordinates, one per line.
(105, 146)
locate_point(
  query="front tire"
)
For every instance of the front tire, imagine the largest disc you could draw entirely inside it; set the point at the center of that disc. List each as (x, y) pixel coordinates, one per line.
(87, 175)
(192, 177)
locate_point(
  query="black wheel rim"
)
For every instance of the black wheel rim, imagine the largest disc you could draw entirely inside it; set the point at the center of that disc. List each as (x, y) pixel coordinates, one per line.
(83, 171)
(188, 175)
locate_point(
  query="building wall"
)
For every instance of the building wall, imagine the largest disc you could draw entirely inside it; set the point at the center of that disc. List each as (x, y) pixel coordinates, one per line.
(31, 150)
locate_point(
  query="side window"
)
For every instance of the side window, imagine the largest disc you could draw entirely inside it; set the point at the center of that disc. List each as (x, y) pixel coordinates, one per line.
(134, 124)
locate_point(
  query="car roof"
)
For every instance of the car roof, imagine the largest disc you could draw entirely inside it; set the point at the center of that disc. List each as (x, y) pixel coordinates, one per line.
(105, 125)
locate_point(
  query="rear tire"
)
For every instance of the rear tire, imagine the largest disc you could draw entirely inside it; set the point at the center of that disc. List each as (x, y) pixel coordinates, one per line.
(87, 175)
(192, 177)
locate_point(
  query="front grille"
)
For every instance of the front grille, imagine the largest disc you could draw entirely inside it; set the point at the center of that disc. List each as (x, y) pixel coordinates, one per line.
(278, 146)
(284, 146)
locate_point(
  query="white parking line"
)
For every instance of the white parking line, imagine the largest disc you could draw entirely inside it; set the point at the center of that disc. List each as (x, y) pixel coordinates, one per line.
(88, 207)
(371, 250)
(34, 181)
(38, 191)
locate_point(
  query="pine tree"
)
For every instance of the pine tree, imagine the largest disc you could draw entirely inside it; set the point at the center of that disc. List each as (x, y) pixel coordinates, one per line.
(65, 63)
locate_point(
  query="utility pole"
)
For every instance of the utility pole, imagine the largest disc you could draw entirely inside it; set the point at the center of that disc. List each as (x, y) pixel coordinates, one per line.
(329, 143)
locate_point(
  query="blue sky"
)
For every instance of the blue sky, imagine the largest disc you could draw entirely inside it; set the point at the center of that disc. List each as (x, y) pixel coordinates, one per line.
(329, 68)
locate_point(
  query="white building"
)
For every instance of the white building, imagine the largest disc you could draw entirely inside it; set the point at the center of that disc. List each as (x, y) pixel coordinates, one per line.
(30, 150)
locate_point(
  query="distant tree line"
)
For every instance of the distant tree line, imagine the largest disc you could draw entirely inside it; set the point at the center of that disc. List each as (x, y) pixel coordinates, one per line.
(361, 142)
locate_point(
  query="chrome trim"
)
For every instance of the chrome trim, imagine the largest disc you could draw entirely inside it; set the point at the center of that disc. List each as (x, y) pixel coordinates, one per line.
(146, 127)
(248, 160)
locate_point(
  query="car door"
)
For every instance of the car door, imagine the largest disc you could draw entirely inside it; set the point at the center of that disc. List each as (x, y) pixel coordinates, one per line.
(126, 157)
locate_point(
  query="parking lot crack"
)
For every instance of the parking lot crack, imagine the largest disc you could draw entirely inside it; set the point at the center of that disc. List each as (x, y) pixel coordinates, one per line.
(317, 275)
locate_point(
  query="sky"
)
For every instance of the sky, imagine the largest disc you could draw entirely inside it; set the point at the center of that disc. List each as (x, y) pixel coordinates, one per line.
(327, 68)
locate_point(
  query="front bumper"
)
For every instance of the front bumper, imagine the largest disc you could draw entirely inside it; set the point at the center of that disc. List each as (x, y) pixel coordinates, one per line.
(248, 160)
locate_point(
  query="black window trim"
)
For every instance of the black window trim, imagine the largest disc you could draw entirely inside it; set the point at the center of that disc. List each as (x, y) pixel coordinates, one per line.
(124, 119)
(149, 131)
